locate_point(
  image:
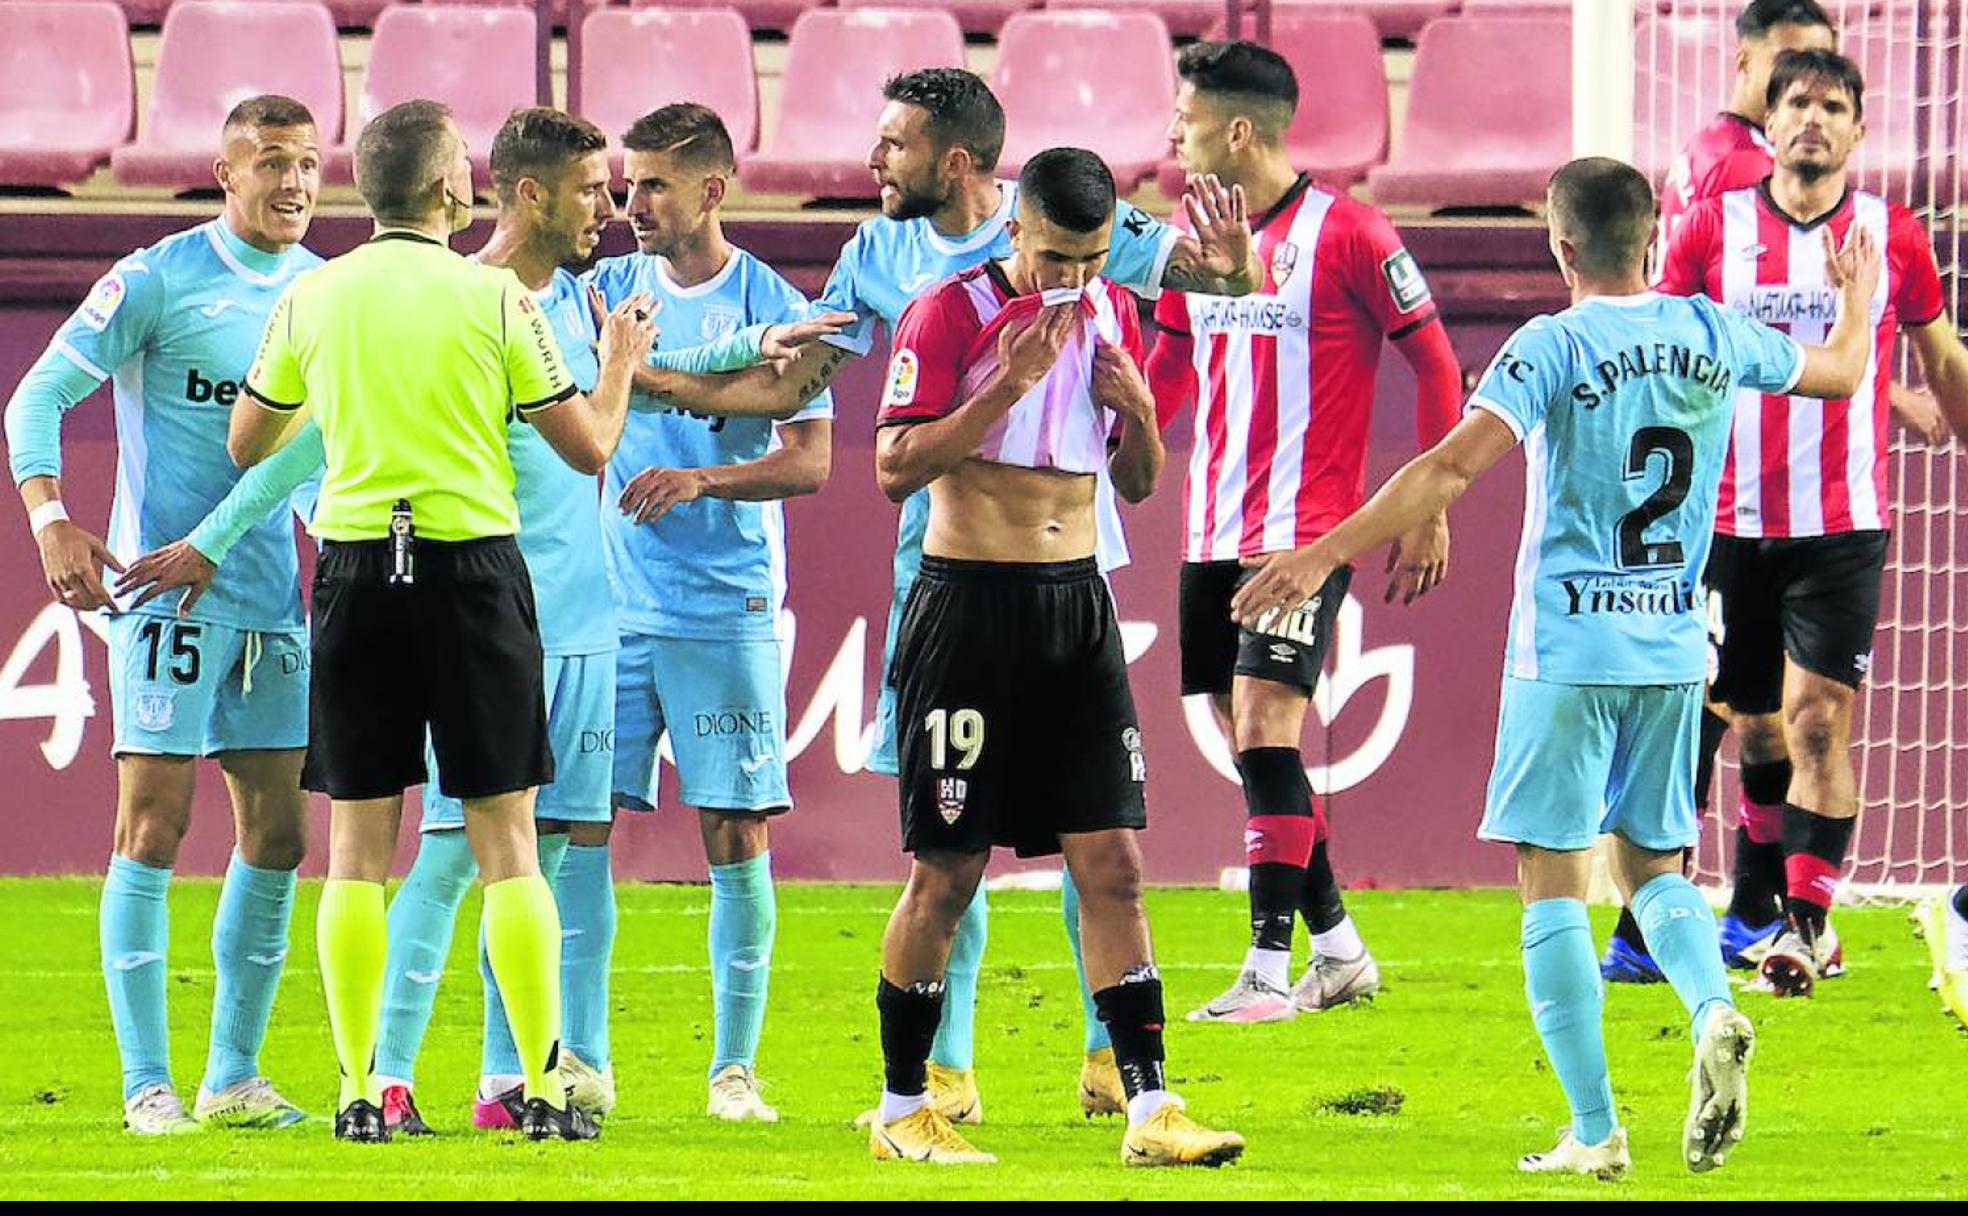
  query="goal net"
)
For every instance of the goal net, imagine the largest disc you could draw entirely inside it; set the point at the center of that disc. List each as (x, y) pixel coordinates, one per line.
(1911, 729)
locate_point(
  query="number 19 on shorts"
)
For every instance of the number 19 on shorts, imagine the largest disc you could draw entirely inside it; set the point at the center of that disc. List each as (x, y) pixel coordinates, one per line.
(961, 729)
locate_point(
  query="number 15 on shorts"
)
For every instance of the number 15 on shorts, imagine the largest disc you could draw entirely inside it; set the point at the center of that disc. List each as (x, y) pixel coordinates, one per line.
(961, 729)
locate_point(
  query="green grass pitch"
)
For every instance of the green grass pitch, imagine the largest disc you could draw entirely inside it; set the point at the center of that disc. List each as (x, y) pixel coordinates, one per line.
(1433, 1091)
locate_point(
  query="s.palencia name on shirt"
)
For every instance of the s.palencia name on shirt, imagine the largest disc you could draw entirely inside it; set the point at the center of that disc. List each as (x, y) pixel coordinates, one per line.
(1659, 359)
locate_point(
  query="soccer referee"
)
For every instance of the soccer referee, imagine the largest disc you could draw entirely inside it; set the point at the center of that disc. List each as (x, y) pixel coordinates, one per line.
(412, 359)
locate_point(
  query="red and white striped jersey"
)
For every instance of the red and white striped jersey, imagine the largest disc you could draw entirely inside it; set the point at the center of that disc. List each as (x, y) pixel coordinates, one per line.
(1285, 375)
(1729, 153)
(946, 349)
(1798, 466)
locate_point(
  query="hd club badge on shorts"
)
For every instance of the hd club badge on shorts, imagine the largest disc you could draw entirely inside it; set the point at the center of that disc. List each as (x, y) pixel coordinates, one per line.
(951, 792)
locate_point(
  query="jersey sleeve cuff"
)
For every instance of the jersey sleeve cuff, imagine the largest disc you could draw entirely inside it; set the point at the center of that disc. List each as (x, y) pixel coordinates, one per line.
(534, 407)
(1503, 415)
(1796, 366)
(278, 407)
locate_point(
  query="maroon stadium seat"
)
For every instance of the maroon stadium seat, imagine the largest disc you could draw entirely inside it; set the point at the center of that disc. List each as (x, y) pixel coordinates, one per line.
(1393, 18)
(830, 96)
(216, 53)
(67, 94)
(477, 60)
(356, 14)
(975, 16)
(761, 14)
(635, 61)
(1050, 99)
(1184, 18)
(1489, 114)
(1340, 130)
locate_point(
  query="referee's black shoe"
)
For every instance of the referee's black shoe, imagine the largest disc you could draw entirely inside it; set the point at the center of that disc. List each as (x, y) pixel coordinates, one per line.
(545, 1122)
(361, 1123)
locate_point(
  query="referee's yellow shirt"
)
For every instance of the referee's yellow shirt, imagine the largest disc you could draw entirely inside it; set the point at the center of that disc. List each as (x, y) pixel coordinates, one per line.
(412, 359)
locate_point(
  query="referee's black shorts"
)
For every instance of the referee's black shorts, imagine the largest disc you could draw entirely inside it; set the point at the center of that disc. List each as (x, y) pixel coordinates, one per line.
(455, 653)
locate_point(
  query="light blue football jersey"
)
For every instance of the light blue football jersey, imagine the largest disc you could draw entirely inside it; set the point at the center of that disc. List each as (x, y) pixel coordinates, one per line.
(174, 328)
(713, 569)
(1623, 406)
(560, 532)
(887, 263)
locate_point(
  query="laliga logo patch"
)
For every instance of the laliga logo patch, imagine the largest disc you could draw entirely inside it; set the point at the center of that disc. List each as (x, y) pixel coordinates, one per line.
(902, 375)
(1404, 282)
(1284, 260)
(951, 794)
(153, 710)
(103, 302)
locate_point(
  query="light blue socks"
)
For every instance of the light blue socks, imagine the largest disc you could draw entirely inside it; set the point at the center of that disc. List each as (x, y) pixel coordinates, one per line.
(585, 891)
(421, 920)
(1069, 908)
(1681, 935)
(249, 951)
(954, 1035)
(1561, 980)
(744, 917)
(134, 923)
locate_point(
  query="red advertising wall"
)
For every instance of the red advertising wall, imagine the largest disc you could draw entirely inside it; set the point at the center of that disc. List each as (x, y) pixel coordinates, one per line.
(1400, 738)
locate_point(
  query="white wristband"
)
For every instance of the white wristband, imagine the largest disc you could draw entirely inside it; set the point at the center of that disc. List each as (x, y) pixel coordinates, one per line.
(45, 514)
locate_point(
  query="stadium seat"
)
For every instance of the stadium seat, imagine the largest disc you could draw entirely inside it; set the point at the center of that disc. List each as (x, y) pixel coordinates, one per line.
(1489, 114)
(635, 61)
(216, 53)
(67, 93)
(1184, 18)
(1341, 132)
(477, 60)
(1122, 112)
(773, 15)
(975, 16)
(1393, 18)
(830, 96)
(559, 9)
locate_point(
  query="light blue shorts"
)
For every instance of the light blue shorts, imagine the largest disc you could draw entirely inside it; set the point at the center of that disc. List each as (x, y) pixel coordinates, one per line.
(1574, 761)
(192, 688)
(724, 707)
(581, 730)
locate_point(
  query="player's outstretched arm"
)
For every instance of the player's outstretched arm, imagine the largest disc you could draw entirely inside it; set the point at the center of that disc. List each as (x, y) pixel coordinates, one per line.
(1424, 488)
(909, 457)
(191, 564)
(799, 368)
(1944, 361)
(1220, 259)
(1834, 371)
(584, 428)
(72, 557)
(799, 466)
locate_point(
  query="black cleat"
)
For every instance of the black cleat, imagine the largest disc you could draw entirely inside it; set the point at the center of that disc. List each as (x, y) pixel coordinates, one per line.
(400, 1113)
(361, 1123)
(544, 1122)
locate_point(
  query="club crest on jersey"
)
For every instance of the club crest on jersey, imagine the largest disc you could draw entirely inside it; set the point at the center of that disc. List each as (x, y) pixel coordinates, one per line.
(153, 710)
(719, 322)
(1404, 282)
(1284, 260)
(902, 374)
(106, 297)
(1137, 763)
(951, 794)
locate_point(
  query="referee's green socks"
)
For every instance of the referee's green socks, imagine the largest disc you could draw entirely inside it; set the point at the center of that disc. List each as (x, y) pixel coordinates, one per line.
(352, 939)
(522, 943)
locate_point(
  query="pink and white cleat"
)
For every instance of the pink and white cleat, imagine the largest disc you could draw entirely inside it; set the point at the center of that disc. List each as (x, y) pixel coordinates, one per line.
(1251, 999)
(503, 1113)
